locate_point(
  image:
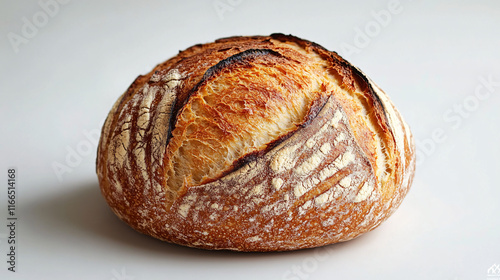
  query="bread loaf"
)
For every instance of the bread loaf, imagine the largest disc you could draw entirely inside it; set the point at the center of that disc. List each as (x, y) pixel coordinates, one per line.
(263, 143)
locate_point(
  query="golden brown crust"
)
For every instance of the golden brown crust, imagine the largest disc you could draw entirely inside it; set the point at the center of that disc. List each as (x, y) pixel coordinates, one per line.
(256, 143)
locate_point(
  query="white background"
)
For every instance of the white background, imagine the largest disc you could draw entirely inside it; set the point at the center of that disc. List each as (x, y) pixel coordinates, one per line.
(59, 78)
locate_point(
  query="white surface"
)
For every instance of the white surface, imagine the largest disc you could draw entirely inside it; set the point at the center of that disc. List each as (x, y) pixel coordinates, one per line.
(429, 57)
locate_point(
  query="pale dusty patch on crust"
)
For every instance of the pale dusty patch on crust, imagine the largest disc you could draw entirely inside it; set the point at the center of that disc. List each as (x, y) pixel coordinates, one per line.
(118, 186)
(340, 137)
(327, 172)
(310, 164)
(282, 194)
(408, 175)
(122, 143)
(184, 208)
(364, 192)
(258, 190)
(344, 159)
(337, 191)
(303, 209)
(345, 182)
(277, 183)
(254, 238)
(140, 156)
(162, 118)
(284, 159)
(336, 118)
(310, 142)
(249, 170)
(109, 120)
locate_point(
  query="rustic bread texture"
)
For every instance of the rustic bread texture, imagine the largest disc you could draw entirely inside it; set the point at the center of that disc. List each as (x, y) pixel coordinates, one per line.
(260, 143)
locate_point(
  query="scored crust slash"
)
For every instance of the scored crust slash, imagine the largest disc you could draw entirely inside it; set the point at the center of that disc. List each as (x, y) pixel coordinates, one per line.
(262, 143)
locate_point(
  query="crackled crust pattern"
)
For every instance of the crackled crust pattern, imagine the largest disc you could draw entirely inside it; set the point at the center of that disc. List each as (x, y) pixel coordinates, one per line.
(255, 144)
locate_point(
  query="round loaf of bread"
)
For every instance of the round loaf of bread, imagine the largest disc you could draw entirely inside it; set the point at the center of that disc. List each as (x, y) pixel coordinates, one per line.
(263, 143)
